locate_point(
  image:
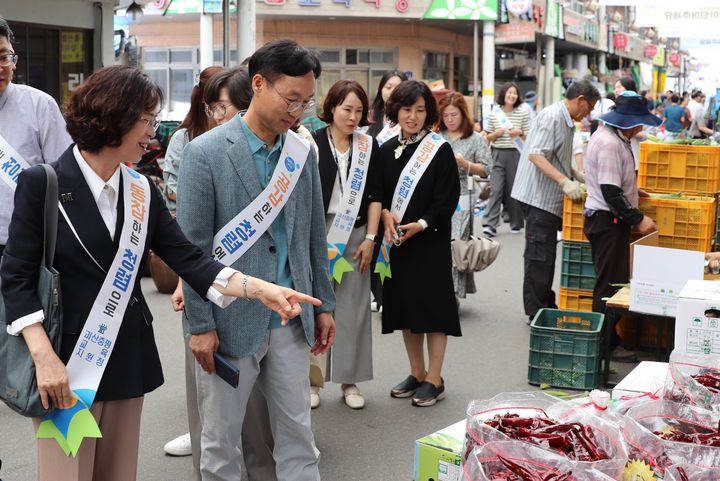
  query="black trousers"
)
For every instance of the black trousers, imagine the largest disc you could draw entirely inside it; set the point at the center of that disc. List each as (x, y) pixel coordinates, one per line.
(610, 243)
(541, 228)
(2, 249)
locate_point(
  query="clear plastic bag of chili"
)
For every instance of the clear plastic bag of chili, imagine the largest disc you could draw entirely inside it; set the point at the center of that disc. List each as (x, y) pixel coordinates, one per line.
(521, 461)
(691, 472)
(663, 433)
(546, 422)
(694, 380)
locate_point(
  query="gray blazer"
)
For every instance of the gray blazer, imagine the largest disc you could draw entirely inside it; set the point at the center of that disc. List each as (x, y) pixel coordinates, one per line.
(218, 179)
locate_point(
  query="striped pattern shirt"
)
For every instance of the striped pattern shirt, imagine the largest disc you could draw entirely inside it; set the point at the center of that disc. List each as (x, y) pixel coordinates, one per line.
(551, 136)
(519, 118)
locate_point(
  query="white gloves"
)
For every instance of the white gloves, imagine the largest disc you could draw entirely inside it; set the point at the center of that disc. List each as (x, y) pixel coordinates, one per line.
(578, 175)
(572, 189)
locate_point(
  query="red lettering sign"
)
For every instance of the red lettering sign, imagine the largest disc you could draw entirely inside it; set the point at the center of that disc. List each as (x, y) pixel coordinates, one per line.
(620, 41)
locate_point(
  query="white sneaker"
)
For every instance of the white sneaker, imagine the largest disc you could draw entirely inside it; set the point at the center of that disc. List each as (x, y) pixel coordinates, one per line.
(314, 397)
(353, 398)
(180, 446)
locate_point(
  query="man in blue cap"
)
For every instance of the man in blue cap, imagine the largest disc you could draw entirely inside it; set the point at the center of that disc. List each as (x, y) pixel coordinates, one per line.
(611, 208)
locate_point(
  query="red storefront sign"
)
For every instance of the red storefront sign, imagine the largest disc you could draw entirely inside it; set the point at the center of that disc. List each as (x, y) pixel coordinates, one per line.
(620, 41)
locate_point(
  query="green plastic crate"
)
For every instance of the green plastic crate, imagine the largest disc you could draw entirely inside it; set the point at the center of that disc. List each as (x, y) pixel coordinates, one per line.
(578, 271)
(565, 348)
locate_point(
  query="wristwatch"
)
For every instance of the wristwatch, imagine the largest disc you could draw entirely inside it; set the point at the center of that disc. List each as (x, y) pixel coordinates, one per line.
(370, 237)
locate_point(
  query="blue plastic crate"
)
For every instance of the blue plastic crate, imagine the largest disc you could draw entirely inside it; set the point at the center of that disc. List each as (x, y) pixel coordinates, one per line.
(565, 348)
(577, 271)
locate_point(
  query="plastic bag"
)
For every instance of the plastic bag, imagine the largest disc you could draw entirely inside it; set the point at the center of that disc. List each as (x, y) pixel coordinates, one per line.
(485, 464)
(608, 435)
(658, 416)
(689, 472)
(681, 387)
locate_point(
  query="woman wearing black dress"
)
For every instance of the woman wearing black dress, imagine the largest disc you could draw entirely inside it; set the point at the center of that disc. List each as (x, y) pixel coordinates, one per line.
(419, 298)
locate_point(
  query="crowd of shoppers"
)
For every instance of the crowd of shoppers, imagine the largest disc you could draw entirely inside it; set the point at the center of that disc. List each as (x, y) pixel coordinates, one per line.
(265, 212)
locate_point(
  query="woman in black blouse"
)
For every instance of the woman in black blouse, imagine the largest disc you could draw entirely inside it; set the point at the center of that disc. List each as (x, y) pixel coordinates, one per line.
(419, 298)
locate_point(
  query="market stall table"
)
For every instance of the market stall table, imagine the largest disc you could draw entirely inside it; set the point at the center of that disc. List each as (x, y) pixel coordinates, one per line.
(619, 305)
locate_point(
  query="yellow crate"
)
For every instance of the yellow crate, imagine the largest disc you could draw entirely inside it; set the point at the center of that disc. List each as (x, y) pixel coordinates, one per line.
(574, 220)
(685, 223)
(575, 299)
(690, 169)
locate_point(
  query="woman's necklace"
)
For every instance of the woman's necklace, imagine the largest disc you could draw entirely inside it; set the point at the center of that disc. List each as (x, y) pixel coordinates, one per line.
(333, 149)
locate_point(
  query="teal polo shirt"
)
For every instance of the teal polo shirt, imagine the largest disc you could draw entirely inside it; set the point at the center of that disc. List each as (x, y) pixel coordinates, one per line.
(265, 163)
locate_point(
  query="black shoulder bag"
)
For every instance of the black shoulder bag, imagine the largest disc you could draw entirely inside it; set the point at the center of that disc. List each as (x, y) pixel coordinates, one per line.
(18, 385)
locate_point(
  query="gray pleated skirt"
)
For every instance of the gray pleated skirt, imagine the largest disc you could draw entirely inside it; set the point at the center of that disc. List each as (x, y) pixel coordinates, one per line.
(349, 360)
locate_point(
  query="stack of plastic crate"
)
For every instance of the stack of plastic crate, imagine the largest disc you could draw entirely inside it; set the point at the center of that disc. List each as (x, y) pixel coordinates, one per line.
(577, 274)
(688, 221)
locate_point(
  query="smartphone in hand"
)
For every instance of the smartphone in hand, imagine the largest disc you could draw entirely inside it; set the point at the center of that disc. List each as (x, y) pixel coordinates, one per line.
(226, 370)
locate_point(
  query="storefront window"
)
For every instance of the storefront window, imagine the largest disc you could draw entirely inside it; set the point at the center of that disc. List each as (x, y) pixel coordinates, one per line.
(461, 69)
(174, 70)
(435, 66)
(365, 66)
(39, 49)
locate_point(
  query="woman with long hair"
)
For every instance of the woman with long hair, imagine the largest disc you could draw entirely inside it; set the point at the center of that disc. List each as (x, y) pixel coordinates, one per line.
(419, 187)
(472, 156)
(508, 126)
(194, 124)
(380, 127)
(346, 160)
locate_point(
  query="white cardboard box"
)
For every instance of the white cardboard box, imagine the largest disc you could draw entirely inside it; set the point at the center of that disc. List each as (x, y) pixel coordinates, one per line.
(697, 323)
(647, 377)
(658, 276)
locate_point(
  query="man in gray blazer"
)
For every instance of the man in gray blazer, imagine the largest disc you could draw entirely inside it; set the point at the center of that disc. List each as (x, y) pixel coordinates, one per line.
(222, 172)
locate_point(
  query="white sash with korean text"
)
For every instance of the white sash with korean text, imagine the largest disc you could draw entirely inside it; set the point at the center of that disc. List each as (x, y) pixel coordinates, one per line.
(388, 132)
(505, 124)
(347, 212)
(238, 235)
(97, 340)
(405, 188)
(11, 164)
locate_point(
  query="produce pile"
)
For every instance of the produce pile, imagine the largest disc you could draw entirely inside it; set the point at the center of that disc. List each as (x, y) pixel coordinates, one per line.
(516, 472)
(574, 440)
(681, 141)
(694, 436)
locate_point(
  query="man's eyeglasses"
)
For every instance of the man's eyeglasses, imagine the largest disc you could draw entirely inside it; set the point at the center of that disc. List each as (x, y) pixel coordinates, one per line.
(294, 106)
(8, 59)
(218, 108)
(151, 122)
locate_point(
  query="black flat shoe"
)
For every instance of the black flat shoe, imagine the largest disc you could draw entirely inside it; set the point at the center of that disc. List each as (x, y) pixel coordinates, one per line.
(406, 388)
(428, 394)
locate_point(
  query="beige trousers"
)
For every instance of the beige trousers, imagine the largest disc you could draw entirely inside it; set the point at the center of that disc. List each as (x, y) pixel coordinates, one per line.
(110, 458)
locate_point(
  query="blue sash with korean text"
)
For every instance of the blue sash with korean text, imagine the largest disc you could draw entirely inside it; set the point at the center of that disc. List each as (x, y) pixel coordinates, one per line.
(11, 164)
(408, 181)
(347, 212)
(96, 342)
(239, 235)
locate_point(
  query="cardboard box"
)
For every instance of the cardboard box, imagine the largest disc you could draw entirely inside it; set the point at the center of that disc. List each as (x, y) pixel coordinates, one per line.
(658, 276)
(438, 457)
(697, 323)
(648, 376)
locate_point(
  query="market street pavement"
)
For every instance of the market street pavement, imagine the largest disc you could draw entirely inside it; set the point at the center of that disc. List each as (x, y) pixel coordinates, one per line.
(373, 443)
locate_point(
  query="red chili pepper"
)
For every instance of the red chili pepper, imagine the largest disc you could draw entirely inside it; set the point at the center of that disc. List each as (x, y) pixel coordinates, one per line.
(573, 440)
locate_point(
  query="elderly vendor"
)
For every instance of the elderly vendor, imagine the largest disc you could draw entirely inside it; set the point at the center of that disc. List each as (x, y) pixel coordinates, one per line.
(611, 208)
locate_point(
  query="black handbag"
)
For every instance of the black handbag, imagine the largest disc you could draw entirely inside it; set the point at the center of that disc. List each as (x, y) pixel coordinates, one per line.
(18, 385)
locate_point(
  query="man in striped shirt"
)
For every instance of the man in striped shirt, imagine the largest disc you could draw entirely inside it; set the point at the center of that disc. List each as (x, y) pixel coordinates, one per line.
(544, 175)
